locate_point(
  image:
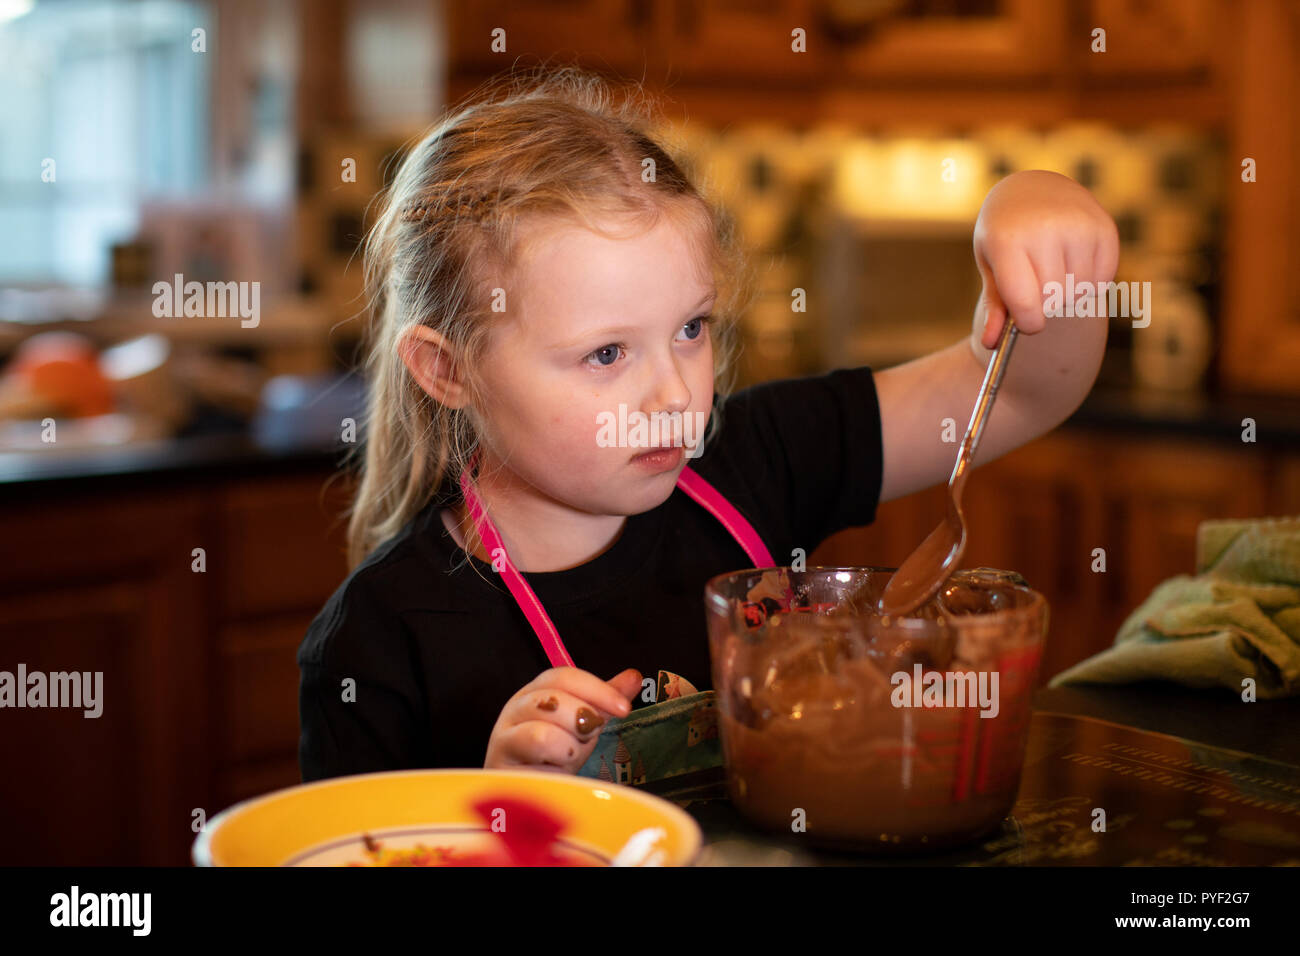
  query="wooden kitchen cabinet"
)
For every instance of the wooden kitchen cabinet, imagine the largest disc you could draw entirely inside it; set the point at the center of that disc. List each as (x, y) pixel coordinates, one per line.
(692, 40)
(723, 41)
(1011, 39)
(284, 540)
(106, 587)
(257, 743)
(199, 691)
(1169, 40)
(1158, 493)
(540, 29)
(744, 41)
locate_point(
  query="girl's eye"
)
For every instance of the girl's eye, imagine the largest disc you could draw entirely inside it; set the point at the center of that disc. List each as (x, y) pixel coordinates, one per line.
(606, 356)
(695, 328)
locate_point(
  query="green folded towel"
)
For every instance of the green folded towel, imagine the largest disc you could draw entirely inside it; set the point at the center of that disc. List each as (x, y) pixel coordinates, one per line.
(1238, 617)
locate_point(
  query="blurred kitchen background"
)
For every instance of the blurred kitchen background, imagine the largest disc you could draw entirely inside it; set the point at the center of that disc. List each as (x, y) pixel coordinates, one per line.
(143, 139)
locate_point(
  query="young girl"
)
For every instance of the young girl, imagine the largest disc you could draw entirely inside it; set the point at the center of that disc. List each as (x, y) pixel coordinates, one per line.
(540, 268)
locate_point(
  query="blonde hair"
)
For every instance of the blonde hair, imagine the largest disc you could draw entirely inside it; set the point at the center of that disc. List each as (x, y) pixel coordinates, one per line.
(539, 146)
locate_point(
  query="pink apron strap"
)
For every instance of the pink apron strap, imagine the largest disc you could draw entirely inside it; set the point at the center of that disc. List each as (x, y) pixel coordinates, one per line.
(546, 632)
(722, 509)
(689, 481)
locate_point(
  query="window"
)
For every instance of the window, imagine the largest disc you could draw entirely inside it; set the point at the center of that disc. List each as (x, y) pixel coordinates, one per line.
(114, 95)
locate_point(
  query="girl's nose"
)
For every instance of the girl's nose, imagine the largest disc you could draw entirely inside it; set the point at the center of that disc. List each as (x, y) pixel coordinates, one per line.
(669, 392)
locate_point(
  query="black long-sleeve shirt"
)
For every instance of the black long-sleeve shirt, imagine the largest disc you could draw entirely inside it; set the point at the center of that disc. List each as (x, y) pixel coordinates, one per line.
(436, 651)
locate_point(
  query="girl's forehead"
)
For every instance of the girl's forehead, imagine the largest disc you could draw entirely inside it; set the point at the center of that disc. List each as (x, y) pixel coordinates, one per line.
(578, 265)
(612, 235)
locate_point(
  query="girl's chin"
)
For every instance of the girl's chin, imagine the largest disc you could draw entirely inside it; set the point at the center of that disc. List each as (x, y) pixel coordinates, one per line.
(647, 492)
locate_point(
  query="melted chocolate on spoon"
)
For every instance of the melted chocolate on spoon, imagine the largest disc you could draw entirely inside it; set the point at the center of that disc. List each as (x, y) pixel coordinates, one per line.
(921, 576)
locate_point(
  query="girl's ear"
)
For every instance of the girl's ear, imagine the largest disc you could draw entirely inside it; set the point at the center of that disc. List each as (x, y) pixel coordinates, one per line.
(428, 357)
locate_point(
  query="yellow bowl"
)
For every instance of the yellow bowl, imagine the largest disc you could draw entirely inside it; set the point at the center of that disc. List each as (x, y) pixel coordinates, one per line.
(327, 823)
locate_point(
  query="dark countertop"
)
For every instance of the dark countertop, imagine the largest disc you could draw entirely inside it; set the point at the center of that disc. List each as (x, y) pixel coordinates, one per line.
(216, 455)
(1193, 415)
(301, 432)
(1228, 799)
(298, 428)
(1266, 728)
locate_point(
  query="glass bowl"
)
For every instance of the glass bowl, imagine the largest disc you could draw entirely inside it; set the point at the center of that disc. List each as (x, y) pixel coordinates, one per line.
(867, 732)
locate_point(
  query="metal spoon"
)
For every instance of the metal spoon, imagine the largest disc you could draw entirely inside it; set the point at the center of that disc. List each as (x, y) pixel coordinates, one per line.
(921, 576)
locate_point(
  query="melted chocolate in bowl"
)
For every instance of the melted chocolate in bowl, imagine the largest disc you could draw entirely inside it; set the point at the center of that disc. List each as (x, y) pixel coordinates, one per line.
(870, 725)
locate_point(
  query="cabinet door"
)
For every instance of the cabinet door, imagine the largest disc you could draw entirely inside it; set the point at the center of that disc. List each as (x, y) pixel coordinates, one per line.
(106, 588)
(742, 40)
(1158, 494)
(1038, 511)
(1284, 496)
(927, 42)
(899, 527)
(258, 736)
(1158, 39)
(68, 774)
(601, 34)
(281, 545)
(282, 556)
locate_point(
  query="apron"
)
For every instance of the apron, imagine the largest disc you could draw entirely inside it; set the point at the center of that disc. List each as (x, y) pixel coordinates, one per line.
(677, 734)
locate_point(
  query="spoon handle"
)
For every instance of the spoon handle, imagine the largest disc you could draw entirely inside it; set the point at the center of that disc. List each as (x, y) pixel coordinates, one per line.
(984, 403)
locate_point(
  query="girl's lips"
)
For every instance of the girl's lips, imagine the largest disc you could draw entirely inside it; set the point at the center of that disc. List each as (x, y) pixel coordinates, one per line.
(659, 459)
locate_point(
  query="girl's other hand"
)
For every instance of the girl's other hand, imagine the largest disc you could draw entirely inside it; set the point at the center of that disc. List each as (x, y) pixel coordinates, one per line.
(553, 721)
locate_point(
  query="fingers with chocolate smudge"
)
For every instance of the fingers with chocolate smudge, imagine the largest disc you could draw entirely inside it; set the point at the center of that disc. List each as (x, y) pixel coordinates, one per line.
(587, 721)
